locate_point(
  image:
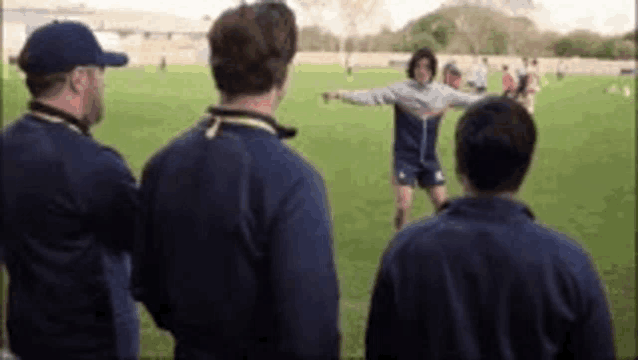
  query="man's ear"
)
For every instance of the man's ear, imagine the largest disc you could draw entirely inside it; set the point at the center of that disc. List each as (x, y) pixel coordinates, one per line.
(79, 80)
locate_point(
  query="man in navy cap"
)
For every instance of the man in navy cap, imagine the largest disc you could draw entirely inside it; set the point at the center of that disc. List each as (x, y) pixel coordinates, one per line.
(483, 279)
(235, 254)
(68, 208)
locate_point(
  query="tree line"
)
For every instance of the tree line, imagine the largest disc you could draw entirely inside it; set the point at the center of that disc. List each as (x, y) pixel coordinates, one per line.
(475, 30)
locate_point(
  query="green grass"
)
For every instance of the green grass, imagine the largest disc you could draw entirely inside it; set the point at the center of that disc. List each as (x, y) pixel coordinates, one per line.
(582, 180)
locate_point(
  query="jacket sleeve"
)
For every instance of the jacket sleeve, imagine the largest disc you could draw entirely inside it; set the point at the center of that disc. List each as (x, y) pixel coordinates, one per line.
(379, 96)
(114, 202)
(461, 99)
(593, 336)
(305, 285)
(146, 257)
(380, 331)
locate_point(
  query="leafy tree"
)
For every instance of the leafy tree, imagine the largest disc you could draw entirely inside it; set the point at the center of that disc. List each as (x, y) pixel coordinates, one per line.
(423, 39)
(440, 27)
(497, 42)
(626, 49)
(563, 47)
(607, 50)
(632, 35)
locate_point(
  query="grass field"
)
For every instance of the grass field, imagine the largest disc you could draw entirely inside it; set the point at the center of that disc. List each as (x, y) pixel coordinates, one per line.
(582, 181)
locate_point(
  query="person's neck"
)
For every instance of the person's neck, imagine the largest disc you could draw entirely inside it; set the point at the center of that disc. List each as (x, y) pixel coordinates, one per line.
(508, 195)
(71, 107)
(259, 104)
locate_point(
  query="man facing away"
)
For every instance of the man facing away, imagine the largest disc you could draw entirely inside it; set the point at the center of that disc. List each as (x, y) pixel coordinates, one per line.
(69, 206)
(419, 105)
(533, 87)
(523, 79)
(509, 84)
(235, 255)
(483, 279)
(481, 77)
(471, 81)
(560, 70)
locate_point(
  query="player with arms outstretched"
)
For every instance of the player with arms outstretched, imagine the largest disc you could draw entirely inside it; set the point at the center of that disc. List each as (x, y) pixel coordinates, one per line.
(420, 104)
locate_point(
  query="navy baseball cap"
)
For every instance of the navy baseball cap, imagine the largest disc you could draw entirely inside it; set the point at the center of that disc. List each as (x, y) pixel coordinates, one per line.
(62, 45)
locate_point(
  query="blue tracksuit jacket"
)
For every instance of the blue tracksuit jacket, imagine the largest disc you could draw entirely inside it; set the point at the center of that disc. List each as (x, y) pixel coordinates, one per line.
(483, 280)
(235, 254)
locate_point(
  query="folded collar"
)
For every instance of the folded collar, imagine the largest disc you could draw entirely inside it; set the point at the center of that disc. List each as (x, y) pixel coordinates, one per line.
(487, 206)
(49, 113)
(249, 118)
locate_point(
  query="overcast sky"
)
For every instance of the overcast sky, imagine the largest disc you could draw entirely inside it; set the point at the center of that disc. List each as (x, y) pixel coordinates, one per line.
(607, 17)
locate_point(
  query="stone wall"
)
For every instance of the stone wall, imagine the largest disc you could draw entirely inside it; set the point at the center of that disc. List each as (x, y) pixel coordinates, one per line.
(574, 65)
(196, 53)
(183, 50)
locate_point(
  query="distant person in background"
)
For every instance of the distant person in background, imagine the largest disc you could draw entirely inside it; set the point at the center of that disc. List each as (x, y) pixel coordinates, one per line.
(452, 75)
(509, 84)
(348, 69)
(69, 208)
(235, 254)
(162, 65)
(481, 77)
(483, 279)
(419, 106)
(523, 79)
(471, 79)
(533, 87)
(560, 70)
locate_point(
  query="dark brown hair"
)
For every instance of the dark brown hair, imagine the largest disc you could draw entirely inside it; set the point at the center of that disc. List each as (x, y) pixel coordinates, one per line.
(251, 47)
(495, 141)
(418, 55)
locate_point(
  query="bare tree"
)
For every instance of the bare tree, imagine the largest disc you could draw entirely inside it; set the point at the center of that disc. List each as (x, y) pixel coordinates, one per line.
(522, 31)
(354, 14)
(314, 10)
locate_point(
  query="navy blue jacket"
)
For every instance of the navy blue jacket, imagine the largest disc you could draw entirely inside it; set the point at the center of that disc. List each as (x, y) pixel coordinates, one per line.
(483, 280)
(68, 222)
(235, 254)
(415, 139)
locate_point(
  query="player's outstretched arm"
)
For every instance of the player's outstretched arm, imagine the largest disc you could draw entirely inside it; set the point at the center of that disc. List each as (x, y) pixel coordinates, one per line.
(379, 96)
(460, 99)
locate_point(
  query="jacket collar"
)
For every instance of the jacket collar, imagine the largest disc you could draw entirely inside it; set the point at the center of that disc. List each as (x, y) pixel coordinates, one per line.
(51, 114)
(217, 115)
(420, 86)
(487, 207)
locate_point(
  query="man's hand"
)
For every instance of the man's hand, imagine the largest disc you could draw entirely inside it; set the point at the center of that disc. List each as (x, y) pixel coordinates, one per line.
(330, 95)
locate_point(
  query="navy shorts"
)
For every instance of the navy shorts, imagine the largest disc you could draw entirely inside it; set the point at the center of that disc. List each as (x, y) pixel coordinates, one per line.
(425, 173)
